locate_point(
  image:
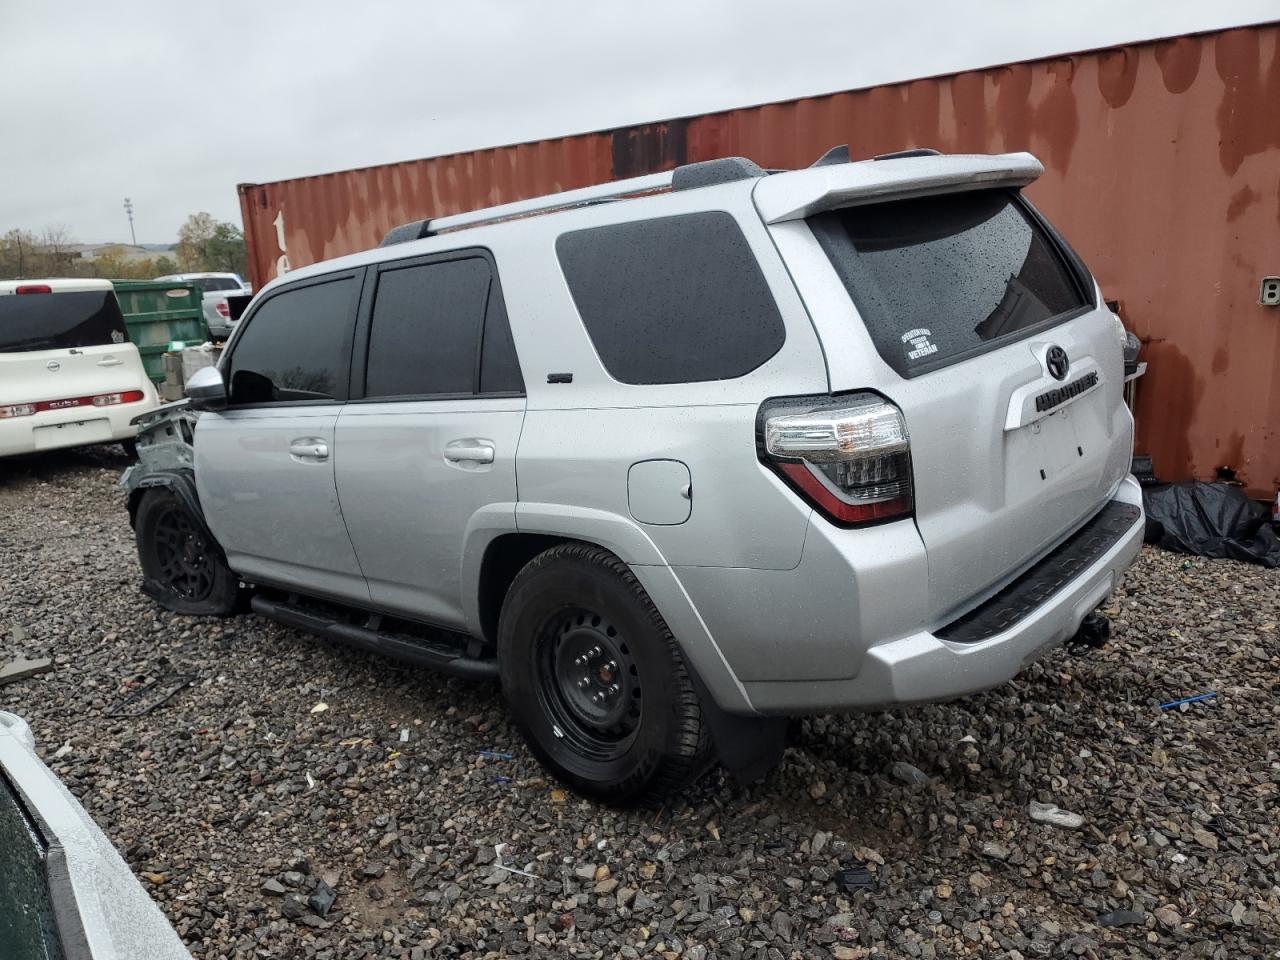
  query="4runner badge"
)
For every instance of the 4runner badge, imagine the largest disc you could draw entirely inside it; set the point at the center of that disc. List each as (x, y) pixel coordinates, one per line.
(918, 342)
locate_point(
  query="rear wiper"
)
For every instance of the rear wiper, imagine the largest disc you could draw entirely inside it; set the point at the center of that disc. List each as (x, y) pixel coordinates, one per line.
(34, 343)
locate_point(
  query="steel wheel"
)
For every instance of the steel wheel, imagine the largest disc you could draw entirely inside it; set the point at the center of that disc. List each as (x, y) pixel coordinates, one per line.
(182, 555)
(588, 683)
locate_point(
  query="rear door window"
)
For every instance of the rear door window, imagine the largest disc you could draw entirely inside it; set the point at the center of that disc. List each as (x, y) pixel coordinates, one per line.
(59, 321)
(439, 329)
(938, 279)
(672, 300)
(297, 345)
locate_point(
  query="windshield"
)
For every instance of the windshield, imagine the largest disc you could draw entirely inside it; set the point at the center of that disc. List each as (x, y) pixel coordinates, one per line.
(27, 926)
(58, 321)
(939, 278)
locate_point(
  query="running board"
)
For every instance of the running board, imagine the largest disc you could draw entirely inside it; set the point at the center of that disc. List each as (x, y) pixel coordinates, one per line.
(398, 646)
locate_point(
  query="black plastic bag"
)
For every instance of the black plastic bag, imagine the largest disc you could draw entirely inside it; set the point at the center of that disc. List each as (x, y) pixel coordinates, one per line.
(1210, 520)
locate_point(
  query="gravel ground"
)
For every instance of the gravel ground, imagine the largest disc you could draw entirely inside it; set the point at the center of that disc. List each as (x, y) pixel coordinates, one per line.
(233, 800)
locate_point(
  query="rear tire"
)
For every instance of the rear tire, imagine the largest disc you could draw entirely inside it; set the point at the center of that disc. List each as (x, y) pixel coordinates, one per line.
(596, 682)
(184, 569)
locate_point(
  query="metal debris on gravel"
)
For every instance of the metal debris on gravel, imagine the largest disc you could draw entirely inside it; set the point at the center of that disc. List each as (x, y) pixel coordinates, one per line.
(210, 796)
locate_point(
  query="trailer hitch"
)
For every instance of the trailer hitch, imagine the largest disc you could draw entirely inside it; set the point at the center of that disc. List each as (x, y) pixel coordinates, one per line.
(1095, 630)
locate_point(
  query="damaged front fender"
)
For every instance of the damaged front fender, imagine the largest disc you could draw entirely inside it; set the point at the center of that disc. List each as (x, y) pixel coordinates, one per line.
(166, 458)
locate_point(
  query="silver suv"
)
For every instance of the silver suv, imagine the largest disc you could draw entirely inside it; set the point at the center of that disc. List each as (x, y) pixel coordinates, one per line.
(674, 457)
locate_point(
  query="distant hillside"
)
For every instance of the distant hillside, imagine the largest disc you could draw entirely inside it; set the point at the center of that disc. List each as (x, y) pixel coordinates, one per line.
(126, 251)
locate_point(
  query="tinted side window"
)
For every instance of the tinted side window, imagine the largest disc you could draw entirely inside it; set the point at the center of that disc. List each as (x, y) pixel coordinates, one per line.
(673, 300)
(432, 323)
(57, 321)
(297, 345)
(499, 365)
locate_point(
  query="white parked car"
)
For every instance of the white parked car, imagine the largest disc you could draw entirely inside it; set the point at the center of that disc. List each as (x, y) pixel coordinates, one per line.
(64, 890)
(68, 374)
(216, 288)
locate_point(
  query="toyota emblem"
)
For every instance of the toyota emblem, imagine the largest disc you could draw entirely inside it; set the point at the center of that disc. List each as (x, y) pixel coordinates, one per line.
(1057, 362)
(53, 365)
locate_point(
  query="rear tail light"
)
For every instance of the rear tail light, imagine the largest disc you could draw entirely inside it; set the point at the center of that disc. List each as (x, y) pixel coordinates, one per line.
(111, 399)
(223, 310)
(849, 456)
(17, 410)
(34, 288)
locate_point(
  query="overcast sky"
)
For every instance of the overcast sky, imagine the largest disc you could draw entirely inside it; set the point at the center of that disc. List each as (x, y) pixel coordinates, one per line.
(173, 104)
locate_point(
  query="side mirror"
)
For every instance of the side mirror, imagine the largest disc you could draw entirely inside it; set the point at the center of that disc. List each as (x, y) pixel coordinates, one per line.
(207, 389)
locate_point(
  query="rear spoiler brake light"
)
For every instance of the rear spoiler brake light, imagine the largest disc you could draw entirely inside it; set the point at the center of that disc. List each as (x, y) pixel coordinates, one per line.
(806, 192)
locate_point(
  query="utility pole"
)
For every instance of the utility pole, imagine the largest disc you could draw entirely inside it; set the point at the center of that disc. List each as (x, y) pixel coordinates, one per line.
(128, 208)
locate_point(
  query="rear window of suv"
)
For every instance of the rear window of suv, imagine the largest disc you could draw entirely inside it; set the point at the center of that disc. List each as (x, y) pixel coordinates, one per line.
(938, 279)
(672, 300)
(213, 284)
(59, 321)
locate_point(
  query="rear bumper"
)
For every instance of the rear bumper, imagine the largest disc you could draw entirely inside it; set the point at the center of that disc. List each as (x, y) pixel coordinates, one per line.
(74, 427)
(925, 666)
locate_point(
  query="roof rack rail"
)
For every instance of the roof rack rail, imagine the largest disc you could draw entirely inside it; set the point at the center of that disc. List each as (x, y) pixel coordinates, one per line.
(688, 177)
(522, 208)
(914, 152)
(406, 232)
(709, 173)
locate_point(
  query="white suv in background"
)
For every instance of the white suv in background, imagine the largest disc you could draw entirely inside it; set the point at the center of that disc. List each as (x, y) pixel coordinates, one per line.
(68, 374)
(214, 288)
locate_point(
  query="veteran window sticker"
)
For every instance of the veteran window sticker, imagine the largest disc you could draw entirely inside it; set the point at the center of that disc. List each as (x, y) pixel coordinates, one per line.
(918, 343)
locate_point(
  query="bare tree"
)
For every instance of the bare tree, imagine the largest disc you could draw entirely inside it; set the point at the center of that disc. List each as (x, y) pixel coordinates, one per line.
(57, 243)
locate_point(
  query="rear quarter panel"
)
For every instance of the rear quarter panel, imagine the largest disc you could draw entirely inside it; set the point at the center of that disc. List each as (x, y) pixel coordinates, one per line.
(580, 439)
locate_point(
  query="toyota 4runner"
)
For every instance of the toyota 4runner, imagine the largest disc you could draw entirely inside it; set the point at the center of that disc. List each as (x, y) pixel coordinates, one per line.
(674, 457)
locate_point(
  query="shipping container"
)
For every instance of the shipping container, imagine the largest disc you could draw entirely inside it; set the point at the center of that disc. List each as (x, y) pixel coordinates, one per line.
(1162, 167)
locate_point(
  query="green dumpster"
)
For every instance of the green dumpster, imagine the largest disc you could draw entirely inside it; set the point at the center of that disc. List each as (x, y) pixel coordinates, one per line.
(161, 316)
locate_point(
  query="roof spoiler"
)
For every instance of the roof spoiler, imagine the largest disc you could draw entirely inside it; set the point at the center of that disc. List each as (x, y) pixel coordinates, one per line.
(915, 174)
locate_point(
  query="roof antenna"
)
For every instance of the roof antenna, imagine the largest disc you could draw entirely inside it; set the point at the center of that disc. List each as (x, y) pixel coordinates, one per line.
(833, 156)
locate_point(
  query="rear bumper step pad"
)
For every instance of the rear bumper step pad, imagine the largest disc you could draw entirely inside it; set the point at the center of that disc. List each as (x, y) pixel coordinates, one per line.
(1030, 591)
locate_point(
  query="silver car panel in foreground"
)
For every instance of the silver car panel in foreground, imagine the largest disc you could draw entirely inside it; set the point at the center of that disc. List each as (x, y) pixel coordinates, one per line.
(65, 893)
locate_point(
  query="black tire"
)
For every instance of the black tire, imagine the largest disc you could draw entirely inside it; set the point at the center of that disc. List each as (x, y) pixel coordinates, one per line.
(642, 742)
(184, 570)
(130, 448)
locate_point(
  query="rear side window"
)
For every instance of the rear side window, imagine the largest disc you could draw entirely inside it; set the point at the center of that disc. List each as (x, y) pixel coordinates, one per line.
(439, 329)
(58, 321)
(937, 279)
(211, 284)
(672, 300)
(297, 345)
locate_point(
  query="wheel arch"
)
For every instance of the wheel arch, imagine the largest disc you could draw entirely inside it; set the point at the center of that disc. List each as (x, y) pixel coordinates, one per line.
(495, 554)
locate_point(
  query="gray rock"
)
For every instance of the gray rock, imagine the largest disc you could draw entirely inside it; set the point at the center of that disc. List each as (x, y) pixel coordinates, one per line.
(909, 774)
(1122, 918)
(994, 850)
(1052, 814)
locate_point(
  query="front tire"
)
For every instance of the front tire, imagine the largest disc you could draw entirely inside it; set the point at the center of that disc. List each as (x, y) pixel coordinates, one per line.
(184, 570)
(596, 682)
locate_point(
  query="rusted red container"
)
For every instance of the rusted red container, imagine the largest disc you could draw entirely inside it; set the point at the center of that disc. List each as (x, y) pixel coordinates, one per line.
(1162, 167)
